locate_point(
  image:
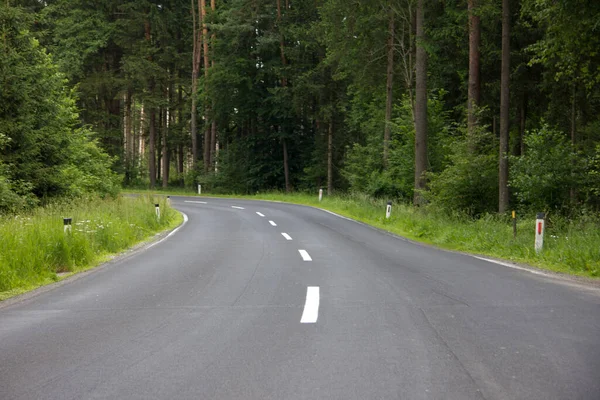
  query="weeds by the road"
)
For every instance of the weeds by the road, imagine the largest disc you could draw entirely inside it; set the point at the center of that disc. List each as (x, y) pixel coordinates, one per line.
(570, 246)
(34, 250)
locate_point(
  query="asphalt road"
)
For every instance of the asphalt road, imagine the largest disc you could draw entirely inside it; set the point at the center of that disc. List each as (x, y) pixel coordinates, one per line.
(229, 307)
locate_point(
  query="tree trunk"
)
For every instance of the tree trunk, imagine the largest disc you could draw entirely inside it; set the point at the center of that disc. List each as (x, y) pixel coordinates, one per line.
(152, 148)
(129, 138)
(474, 93)
(207, 132)
(330, 159)
(389, 88)
(573, 191)
(420, 108)
(213, 126)
(152, 122)
(286, 169)
(165, 150)
(197, 54)
(503, 200)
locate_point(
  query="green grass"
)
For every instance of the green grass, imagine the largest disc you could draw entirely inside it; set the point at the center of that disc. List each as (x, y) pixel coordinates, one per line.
(34, 250)
(571, 247)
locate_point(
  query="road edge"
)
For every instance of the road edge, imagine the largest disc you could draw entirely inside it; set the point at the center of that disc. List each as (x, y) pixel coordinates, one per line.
(114, 259)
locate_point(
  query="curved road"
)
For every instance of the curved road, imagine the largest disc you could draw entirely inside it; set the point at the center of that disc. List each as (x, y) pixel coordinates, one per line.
(257, 300)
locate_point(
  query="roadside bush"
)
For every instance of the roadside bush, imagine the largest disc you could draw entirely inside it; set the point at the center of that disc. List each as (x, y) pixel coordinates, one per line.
(540, 179)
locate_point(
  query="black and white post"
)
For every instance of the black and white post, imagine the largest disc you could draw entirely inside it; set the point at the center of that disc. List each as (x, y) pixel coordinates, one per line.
(157, 208)
(169, 200)
(320, 194)
(539, 232)
(67, 225)
(388, 210)
(199, 189)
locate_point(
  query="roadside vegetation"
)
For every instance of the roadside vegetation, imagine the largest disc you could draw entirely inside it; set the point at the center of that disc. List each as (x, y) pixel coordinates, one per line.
(570, 244)
(35, 250)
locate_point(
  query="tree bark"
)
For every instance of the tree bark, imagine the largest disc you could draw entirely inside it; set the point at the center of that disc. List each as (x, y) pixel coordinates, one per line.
(197, 54)
(152, 148)
(152, 122)
(129, 138)
(573, 192)
(330, 159)
(213, 125)
(165, 150)
(389, 87)
(503, 199)
(474, 92)
(420, 108)
(207, 132)
(286, 170)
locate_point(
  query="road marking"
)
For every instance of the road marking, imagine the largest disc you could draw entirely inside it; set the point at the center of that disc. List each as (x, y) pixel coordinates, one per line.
(305, 255)
(286, 236)
(185, 220)
(239, 208)
(311, 306)
(196, 202)
(272, 223)
(260, 214)
(512, 266)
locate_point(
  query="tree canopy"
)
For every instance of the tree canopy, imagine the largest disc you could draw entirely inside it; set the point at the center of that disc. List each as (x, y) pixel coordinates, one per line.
(397, 99)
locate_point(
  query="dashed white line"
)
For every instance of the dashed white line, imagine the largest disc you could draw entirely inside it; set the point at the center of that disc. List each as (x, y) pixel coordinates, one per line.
(286, 236)
(305, 255)
(311, 306)
(272, 223)
(196, 202)
(239, 208)
(260, 214)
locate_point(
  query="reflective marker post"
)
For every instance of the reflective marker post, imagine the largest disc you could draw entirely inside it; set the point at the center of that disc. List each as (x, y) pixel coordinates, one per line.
(539, 232)
(199, 189)
(157, 208)
(169, 200)
(388, 210)
(67, 225)
(320, 194)
(514, 219)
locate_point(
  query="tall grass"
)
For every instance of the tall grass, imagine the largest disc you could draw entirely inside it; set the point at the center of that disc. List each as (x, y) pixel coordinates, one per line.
(34, 250)
(570, 246)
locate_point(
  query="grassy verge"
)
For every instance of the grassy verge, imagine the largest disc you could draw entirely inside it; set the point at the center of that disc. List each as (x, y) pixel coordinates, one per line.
(34, 250)
(571, 247)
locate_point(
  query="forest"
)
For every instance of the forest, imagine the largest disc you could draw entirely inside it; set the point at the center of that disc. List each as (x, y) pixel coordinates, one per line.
(470, 106)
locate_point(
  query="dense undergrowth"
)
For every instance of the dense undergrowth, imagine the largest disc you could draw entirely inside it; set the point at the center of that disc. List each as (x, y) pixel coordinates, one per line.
(571, 245)
(34, 250)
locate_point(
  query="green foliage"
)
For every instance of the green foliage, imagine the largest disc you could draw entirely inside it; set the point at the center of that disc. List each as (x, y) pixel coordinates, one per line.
(470, 181)
(42, 153)
(550, 165)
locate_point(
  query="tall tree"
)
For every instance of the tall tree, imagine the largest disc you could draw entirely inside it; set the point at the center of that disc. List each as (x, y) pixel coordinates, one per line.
(420, 107)
(474, 92)
(503, 200)
(284, 82)
(196, 59)
(207, 131)
(389, 86)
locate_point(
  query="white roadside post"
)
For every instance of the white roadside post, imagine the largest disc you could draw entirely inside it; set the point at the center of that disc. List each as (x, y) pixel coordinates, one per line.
(157, 208)
(199, 189)
(169, 200)
(320, 194)
(388, 210)
(67, 225)
(539, 232)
